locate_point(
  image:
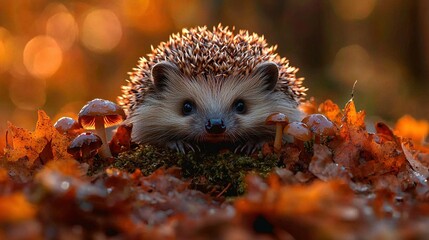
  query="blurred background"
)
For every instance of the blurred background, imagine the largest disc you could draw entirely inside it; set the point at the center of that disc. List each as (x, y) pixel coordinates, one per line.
(56, 55)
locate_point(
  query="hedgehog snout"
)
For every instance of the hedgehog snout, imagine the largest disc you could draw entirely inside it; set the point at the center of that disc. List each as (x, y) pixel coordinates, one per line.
(215, 126)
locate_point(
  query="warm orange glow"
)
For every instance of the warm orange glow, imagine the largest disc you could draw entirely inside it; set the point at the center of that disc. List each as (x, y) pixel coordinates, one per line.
(2, 140)
(84, 49)
(42, 56)
(149, 15)
(185, 14)
(23, 118)
(409, 127)
(15, 207)
(69, 110)
(62, 26)
(353, 10)
(101, 30)
(28, 94)
(6, 46)
(135, 9)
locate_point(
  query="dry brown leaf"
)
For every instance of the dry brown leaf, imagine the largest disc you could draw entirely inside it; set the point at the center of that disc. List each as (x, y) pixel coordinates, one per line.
(121, 140)
(353, 137)
(323, 166)
(422, 172)
(45, 142)
(23, 144)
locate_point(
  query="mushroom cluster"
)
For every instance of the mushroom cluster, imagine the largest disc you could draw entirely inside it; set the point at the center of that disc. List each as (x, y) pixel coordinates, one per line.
(67, 126)
(313, 126)
(97, 115)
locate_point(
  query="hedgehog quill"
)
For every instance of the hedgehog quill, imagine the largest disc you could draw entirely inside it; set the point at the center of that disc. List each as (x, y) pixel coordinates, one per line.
(207, 90)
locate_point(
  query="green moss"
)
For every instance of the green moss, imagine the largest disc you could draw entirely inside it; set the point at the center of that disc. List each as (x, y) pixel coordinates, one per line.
(208, 172)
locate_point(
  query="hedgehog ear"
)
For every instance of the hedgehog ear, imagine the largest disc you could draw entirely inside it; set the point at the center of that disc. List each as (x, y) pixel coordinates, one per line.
(163, 72)
(267, 72)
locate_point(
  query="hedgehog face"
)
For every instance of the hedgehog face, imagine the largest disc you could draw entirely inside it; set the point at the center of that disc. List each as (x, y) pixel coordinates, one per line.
(209, 109)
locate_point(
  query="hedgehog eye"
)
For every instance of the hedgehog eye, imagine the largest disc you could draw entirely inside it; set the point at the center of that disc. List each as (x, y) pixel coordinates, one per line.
(239, 106)
(188, 108)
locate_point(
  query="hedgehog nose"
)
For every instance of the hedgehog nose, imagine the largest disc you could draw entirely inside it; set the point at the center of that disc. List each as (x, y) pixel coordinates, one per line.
(215, 126)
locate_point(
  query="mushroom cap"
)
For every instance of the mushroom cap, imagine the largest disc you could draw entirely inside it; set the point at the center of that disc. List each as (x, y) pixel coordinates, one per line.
(319, 124)
(85, 145)
(275, 118)
(65, 125)
(112, 113)
(299, 131)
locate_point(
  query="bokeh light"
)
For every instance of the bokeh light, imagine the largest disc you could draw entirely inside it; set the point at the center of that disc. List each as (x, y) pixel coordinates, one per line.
(353, 10)
(101, 30)
(148, 16)
(42, 56)
(6, 46)
(28, 94)
(55, 55)
(135, 10)
(353, 63)
(63, 28)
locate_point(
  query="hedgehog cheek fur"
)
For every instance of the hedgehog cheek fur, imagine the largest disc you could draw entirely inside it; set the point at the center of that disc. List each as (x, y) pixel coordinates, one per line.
(161, 120)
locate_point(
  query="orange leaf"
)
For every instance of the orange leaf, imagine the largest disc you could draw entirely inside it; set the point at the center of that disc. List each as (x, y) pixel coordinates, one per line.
(309, 106)
(353, 118)
(45, 142)
(409, 127)
(23, 144)
(15, 207)
(354, 136)
(331, 111)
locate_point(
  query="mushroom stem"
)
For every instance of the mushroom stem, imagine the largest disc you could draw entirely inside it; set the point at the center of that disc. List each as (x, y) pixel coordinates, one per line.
(278, 138)
(101, 132)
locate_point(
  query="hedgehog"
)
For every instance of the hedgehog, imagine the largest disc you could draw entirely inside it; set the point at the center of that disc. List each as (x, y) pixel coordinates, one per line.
(210, 90)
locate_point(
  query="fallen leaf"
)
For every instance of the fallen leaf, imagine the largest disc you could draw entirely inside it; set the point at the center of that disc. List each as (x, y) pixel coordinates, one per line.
(323, 166)
(309, 106)
(331, 111)
(353, 118)
(421, 170)
(409, 127)
(45, 142)
(121, 141)
(15, 207)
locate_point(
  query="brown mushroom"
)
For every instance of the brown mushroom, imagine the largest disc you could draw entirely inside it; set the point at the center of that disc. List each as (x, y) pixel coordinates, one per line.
(99, 114)
(320, 126)
(85, 146)
(67, 126)
(299, 131)
(280, 120)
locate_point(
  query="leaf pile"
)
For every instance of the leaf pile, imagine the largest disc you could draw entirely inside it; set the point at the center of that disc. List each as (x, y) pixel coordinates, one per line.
(352, 184)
